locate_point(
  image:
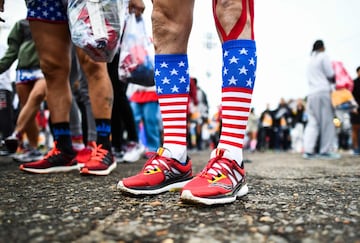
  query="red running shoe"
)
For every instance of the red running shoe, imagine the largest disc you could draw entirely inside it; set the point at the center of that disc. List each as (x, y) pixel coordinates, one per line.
(160, 173)
(101, 162)
(84, 155)
(221, 181)
(54, 161)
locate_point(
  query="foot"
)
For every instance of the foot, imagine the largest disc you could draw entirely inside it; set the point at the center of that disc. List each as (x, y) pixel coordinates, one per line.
(101, 162)
(160, 173)
(54, 161)
(220, 182)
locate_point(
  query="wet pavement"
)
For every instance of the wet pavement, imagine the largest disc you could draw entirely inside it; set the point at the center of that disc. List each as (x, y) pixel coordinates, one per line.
(290, 200)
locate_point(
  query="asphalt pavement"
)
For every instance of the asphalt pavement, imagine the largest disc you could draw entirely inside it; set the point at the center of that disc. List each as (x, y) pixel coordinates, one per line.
(290, 200)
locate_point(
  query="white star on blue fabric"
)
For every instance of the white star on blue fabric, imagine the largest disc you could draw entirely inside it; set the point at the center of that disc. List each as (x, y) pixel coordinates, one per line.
(239, 64)
(171, 76)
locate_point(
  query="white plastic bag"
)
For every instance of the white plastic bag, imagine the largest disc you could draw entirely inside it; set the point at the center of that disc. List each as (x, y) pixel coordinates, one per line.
(136, 63)
(95, 27)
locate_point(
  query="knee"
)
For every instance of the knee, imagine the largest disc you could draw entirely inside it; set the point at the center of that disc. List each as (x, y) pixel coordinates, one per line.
(95, 71)
(54, 69)
(38, 96)
(173, 28)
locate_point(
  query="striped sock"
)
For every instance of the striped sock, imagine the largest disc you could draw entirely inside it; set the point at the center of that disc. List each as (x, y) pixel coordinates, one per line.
(238, 75)
(172, 87)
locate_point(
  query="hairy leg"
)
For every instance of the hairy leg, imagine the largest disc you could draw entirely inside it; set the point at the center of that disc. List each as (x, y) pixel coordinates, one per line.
(100, 87)
(53, 46)
(172, 22)
(228, 12)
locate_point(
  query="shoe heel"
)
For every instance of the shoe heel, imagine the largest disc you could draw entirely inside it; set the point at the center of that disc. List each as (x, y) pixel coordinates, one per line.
(177, 186)
(243, 191)
(175, 189)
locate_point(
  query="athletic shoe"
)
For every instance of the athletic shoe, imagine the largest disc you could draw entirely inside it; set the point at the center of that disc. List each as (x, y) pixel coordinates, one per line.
(118, 155)
(101, 162)
(12, 143)
(160, 173)
(83, 156)
(309, 156)
(133, 152)
(221, 181)
(54, 161)
(330, 156)
(29, 156)
(355, 152)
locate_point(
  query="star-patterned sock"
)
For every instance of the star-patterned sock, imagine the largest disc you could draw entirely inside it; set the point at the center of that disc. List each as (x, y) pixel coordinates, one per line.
(172, 87)
(238, 75)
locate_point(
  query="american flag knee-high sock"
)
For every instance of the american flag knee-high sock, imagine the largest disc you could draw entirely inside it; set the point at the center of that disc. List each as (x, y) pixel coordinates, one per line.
(172, 87)
(238, 78)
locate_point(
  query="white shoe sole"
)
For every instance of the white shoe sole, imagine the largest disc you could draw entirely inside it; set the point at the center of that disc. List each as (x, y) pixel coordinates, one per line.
(86, 171)
(52, 169)
(173, 187)
(187, 196)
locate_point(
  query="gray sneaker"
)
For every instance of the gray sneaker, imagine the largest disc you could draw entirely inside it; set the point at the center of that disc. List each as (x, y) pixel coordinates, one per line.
(330, 156)
(29, 156)
(309, 156)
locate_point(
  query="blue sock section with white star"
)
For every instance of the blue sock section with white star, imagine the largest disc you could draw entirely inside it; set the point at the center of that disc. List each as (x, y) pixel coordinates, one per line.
(238, 74)
(172, 86)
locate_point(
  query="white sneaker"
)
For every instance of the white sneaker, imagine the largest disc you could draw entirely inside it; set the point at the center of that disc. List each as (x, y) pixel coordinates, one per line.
(29, 156)
(133, 152)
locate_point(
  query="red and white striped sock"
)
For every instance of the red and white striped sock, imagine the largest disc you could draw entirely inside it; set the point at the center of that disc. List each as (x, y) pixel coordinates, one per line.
(239, 66)
(172, 87)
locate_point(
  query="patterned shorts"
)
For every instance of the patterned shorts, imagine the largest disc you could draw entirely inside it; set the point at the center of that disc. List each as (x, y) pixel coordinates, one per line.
(24, 76)
(47, 10)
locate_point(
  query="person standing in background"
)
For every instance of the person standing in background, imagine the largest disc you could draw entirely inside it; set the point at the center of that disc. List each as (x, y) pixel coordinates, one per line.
(145, 105)
(320, 126)
(6, 97)
(299, 120)
(355, 116)
(252, 131)
(30, 87)
(122, 119)
(266, 132)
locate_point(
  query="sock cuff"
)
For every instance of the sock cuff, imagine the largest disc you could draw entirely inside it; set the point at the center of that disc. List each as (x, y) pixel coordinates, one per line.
(251, 44)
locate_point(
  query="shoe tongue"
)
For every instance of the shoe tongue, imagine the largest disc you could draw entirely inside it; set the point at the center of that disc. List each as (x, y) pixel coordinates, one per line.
(164, 152)
(222, 153)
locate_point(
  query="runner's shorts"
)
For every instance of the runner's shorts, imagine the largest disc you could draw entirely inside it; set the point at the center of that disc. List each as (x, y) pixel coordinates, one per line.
(47, 10)
(24, 76)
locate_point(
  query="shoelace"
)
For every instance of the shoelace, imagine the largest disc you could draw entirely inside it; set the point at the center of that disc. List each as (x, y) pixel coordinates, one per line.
(211, 172)
(156, 161)
(98, 153)
(53, 152)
